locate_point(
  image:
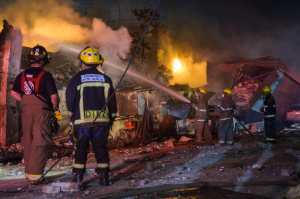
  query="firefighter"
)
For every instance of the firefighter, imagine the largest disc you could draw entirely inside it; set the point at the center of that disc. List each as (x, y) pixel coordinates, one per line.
(226, 127)
(36, 91)
(201, 114)
(91, 99)
(269, 110)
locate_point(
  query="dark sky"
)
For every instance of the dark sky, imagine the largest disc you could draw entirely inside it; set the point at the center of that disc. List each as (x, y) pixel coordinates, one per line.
(216, 29)
(235, 28)
(236, 12)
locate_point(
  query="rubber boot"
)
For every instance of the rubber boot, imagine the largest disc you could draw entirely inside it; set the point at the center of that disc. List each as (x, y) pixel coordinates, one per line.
(104, 176)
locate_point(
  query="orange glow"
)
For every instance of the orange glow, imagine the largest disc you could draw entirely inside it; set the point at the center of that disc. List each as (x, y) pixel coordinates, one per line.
(48, 23)
(184, 68)
(176, 65)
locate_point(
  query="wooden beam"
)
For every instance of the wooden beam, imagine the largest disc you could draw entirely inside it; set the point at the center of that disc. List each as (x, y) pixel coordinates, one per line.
(4, 64)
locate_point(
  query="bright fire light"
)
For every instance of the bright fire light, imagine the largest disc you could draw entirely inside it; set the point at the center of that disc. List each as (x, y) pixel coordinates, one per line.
(176, 64)
(184, 65)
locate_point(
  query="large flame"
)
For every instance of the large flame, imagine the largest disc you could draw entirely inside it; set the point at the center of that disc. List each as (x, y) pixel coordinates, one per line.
(184, 69)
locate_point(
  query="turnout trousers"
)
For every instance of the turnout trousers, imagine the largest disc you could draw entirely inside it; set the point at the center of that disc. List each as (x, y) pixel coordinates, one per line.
(226, 130)
(202, 131)
(96, 135)
(270, 127)
(36, 136)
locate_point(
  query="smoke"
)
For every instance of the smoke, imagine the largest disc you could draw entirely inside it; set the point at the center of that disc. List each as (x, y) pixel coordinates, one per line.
(115, 43)
(57, 26)
(47, 22)
(53, 23)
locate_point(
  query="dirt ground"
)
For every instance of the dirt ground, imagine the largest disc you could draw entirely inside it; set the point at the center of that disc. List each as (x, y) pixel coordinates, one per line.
(250, 168)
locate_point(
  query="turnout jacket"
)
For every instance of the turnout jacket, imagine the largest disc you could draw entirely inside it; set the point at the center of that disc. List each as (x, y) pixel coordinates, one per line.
(201, 103)
(91, 98)
(269, 108)
(227, 107)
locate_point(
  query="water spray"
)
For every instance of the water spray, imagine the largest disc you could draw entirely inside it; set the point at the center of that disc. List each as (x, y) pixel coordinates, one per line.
(136, 75)
(149, 81)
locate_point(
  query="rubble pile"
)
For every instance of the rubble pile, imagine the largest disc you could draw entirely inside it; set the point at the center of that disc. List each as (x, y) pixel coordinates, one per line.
(125, 138)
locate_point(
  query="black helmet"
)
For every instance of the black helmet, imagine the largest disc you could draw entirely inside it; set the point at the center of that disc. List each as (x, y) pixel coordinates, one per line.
(38, 54)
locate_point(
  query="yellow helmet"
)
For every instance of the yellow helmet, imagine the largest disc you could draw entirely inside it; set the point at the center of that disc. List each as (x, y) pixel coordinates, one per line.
(267, 89)
(227, 91)
(203, 90)
(91, 56)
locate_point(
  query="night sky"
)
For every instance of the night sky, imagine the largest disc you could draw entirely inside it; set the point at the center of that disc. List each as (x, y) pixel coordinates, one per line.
(215, 29)
(234, 28)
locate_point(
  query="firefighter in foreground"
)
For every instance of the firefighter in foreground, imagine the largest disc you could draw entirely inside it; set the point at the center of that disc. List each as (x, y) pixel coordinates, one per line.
(269, 110)
(226, 127)
(36, 91)
(203, 134)
(91, 99)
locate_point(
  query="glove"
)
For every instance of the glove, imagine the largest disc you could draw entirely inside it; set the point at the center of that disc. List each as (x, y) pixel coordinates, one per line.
(69, 130)
(58, 115)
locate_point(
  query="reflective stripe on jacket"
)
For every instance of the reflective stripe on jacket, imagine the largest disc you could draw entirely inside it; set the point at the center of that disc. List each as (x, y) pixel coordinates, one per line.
(227, 107)
(201, 106)
(269, 108)
(90, 97)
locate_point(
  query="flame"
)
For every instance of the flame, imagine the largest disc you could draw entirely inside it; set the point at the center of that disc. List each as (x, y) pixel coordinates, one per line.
(176, 65)
(184, 68)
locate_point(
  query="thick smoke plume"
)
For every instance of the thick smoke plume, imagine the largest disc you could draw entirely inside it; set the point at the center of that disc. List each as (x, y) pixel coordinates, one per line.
(54, 22)
(46, 22)
(57, 26)
(110, 40)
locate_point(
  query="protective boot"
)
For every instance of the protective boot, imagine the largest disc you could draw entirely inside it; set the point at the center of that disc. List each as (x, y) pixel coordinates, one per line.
(103, 176)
